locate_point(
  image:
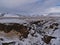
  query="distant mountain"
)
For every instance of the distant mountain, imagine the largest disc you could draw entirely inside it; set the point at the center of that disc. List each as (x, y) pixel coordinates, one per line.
(54, 14)
(2, 14)
(10, 15)
(15, 15)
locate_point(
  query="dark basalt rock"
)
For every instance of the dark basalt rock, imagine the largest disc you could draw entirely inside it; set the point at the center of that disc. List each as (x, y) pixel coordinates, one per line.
(51, 26)
(16, 27)
(55, 28)
(47, 39)
(2, 26)
(56, 24)
(46, 27)
(11, 43)
(36, 22)
(7, 28)
(1, 39)
(23, 30)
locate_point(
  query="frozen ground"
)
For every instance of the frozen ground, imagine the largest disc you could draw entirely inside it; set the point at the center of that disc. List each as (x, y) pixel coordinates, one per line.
(42, 31)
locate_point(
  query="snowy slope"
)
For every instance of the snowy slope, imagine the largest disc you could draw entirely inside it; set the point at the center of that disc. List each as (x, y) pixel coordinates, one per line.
(13, 21)
(46, 26)
(10, 15)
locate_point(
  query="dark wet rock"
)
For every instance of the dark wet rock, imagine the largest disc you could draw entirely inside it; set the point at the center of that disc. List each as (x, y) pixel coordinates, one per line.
(2, 26)
(56, 24)
(33, 34)
(21, 29)
(47, 39)
(44, 22)
(40, 32)
(34, 44)
(35, 22)
(11, 43)
(16, 27)
(29, 28)
(46, 27)
(51, 26)
(7, 28)
(24, 32)
(1, 39)
(55, 28)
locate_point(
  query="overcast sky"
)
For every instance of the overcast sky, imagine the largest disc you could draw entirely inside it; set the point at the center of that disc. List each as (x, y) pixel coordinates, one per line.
(27, 6)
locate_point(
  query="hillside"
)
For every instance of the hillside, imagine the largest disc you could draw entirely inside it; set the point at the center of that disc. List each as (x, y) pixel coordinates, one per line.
(30, 31)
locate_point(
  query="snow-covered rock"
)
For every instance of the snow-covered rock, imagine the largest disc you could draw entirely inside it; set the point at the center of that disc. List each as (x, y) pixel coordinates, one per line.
(46, 32)
(13, 21)
(11, 15)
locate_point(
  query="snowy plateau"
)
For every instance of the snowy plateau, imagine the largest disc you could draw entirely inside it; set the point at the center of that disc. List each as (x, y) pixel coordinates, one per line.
(40, 30)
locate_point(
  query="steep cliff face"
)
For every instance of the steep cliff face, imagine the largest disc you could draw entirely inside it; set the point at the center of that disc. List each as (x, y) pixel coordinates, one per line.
(45, 31)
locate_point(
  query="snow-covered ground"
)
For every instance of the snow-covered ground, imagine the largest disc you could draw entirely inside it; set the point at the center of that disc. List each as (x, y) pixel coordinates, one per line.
(40, 31)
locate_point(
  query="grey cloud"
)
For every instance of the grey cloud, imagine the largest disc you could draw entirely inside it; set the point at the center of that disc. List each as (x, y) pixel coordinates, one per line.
(29, 7)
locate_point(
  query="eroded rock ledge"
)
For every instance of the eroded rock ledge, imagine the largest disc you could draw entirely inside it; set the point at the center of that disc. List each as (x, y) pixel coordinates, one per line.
(19, 29)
